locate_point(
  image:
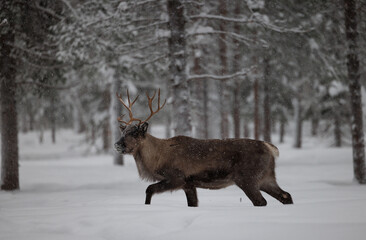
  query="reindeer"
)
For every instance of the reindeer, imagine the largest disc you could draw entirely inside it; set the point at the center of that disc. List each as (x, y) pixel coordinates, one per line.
(187, 163)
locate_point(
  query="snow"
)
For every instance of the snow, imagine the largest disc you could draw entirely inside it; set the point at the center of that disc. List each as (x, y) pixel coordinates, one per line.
(313, 44)
(3, 22)
(66, 195)
(336, 88)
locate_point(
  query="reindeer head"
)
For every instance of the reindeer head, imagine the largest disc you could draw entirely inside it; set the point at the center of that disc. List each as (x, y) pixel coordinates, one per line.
(133, 134)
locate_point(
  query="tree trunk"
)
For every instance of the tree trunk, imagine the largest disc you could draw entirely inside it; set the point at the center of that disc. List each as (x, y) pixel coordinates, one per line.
(223, 85)
(237, 54)
(298, 124)
(246, 129)
(53, 118)
(177, 67)
(256, 93)
(205, 109)
(314, 126)
(266, 102)
(337, 131)
(9, 131)
(9, 127)
(106, 136)
(106, 124)
(31, 113)
(355, 91)
(256, 107)
(79, 124)
(24, 122)
(115, 112)
(41, 132)
(93, 134)
(282, 129)
(76, 119)
(200, 91)
(236, 109)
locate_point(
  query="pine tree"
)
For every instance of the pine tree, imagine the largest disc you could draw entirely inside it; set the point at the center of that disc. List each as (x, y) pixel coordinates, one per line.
(358, 146)
(9, 126)
(177, 67)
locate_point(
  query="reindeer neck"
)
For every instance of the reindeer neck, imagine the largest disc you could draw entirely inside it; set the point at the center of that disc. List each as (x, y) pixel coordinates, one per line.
(147, 157)
(150, 147)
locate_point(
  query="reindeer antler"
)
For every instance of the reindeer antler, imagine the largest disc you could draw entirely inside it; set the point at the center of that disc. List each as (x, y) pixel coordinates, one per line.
(129, 108)
(150, 105)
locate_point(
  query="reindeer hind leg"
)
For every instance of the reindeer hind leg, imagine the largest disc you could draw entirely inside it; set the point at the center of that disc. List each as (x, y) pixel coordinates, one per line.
(191, 194)
(252, 193)
(275, 191)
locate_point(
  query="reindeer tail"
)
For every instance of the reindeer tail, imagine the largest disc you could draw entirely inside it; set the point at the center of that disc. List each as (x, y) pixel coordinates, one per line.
(273, 149)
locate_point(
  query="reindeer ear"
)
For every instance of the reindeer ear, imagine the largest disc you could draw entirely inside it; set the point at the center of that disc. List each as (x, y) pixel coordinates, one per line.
(144, 127)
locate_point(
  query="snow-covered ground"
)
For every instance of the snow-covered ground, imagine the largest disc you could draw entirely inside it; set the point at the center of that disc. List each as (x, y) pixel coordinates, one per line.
(65, 195)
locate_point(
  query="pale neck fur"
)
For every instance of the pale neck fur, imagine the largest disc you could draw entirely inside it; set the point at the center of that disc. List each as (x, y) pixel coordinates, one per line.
(150, 148)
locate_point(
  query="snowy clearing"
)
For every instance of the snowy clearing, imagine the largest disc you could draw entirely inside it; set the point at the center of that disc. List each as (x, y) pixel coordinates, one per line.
(87, 197)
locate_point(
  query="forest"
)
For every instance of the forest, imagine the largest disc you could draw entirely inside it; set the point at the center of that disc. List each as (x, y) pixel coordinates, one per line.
(283, 71)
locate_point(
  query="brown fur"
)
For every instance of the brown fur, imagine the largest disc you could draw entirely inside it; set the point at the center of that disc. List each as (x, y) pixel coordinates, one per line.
(187, 163)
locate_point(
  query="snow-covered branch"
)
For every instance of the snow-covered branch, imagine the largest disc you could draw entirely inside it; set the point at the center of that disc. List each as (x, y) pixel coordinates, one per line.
(48, 86)
(54, 66)
(98, 21)
(144, 2)
(38, 54)
(67, 3)
(217, 77)
(283, 29)
(156, 59)
(329, 66)
(252, 20)
(154, 42)
(145, 26)
(125, 7)
(197, 3)
(49, 12)
(138, 20)
(221, 18)
(3, 22)
(236, 36)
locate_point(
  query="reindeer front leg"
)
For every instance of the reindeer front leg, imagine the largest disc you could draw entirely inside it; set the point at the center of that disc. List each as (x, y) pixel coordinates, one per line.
(163, 186)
